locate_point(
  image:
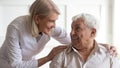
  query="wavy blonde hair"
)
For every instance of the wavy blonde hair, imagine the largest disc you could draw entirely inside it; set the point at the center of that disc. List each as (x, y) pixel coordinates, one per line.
(41, 8)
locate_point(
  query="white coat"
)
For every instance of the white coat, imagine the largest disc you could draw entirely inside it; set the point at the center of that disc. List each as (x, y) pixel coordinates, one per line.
(20, 47)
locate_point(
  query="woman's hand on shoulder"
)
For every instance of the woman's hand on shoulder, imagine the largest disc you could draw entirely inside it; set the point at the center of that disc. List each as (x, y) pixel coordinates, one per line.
(111, 49)
(55, 51)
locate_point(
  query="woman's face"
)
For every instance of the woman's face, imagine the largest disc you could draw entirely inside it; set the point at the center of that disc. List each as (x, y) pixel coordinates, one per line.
(46, 24)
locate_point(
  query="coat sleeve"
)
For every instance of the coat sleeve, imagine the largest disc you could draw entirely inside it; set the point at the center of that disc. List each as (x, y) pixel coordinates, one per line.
(61, 35)
(14, 50)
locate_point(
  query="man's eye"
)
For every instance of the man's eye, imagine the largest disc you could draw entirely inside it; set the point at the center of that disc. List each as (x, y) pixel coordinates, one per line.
(51, 21)
(77, 29)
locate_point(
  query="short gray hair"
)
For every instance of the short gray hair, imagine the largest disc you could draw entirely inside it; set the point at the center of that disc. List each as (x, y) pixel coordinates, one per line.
(89, 20)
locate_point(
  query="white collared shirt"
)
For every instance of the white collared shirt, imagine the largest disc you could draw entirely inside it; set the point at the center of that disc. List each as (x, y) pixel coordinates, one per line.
(99, 58)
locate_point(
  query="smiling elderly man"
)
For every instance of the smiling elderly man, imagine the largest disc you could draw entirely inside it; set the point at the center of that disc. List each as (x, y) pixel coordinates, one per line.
(84, 51)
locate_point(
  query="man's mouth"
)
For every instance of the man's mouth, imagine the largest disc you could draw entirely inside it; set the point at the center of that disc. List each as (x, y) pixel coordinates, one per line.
(74, 37)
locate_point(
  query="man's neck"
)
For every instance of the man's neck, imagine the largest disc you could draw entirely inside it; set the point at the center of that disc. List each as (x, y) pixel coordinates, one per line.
(85, 51)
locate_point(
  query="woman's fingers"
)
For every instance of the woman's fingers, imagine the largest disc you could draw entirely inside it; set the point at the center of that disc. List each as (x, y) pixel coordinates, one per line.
(55, 51)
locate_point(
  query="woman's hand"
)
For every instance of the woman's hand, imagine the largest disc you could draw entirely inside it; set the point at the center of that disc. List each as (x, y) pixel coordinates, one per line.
(111, 49)
(55, 51)
(51, 55)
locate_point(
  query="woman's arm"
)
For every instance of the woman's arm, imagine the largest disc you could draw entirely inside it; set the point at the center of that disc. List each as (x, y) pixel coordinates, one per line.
(14, 52)
(61, 35)
(51, 55)
(42, 61)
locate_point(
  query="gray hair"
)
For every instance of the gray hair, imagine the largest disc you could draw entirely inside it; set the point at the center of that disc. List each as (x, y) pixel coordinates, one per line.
(41, 8)
(89, 20)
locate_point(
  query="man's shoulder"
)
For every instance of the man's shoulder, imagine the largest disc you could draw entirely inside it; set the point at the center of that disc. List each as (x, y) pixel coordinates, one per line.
(104, 53)
(64, 52)
(102, 47)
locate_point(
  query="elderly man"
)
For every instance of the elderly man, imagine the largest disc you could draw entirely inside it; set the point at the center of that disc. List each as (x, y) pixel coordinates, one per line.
(84, 51)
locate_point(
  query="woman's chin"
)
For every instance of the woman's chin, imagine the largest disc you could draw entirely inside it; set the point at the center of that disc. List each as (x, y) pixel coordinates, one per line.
(48, 33)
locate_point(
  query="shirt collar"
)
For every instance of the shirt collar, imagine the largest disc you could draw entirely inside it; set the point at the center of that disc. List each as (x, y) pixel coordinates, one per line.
(70, 48)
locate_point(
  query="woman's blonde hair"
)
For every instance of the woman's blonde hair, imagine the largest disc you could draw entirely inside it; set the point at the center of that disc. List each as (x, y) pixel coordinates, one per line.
(41, 8)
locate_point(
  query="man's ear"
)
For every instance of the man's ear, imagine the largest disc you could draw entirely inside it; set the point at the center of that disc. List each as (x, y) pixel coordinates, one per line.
(93, 32)
(36, 19)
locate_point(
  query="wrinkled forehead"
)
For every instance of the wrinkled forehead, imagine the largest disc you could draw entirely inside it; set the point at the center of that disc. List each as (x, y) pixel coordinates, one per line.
(78, 22)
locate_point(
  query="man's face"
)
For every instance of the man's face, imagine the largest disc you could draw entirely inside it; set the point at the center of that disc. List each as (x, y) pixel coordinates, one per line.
(46, 24)
(80, 34)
